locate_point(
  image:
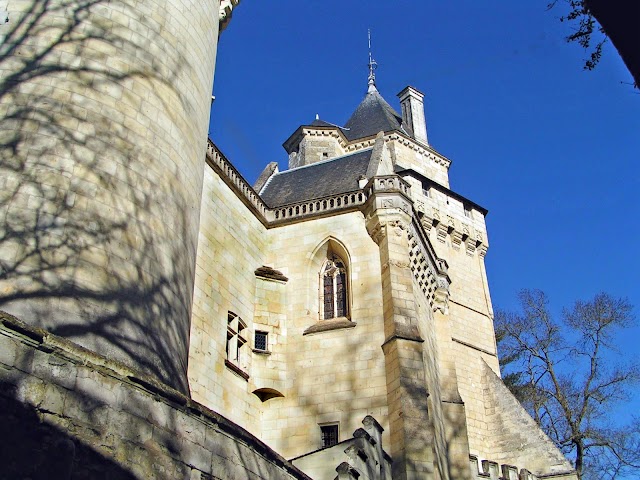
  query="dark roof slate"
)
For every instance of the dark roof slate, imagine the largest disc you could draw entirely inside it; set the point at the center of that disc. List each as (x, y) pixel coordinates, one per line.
(321, 123)
(373, 115)
(318, 180)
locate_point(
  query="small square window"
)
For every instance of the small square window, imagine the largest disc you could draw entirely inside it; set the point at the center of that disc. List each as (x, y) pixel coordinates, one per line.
(426, 191)
(329, 434)
(467, 211)
(261, 341)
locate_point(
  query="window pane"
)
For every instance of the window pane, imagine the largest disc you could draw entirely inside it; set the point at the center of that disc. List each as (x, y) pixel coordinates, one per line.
(328, 297)
(329, 435)
(341, 300)
(261, 341)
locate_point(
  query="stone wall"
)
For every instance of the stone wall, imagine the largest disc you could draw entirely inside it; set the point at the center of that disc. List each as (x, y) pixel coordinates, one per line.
(334, 374)
(515, 436)
(467, 340)
(232, 244)
(105, 107)
(307, 376)
(70, 413)
(409, 154)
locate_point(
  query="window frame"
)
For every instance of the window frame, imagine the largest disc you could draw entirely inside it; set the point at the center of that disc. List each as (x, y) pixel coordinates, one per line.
(266, 341)
(236, 357)
(334, 280)
(326, 426)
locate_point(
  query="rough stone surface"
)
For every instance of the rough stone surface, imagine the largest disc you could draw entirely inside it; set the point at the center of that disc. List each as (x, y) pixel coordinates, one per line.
(106, 427)
(105, 107)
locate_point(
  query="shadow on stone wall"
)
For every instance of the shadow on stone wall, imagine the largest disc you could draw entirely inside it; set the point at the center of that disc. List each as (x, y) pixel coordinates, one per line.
(97, 235)
(35, 449)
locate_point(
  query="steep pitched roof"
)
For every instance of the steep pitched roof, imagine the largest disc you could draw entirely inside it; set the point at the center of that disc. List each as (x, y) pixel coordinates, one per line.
(321, 179)
(373, 115)
(320, 123)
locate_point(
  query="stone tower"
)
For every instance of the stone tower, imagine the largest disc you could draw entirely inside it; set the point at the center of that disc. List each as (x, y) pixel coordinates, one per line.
(105, 107)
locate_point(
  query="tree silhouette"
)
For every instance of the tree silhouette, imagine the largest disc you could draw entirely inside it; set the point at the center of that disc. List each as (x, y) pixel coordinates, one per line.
(570, 380)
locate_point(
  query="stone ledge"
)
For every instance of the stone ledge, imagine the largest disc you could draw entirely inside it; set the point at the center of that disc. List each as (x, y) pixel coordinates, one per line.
(404, 332)
(328, 325)
(236, 369)
(261, 352)
(268, 273)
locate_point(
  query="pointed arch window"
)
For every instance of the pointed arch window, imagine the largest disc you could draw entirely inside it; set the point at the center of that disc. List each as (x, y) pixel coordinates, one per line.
(333, 288)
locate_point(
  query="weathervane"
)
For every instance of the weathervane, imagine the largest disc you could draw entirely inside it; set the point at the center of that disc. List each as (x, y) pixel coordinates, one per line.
(372, 66)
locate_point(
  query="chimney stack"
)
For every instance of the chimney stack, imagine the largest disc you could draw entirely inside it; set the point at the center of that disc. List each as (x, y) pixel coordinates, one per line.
(412, 103)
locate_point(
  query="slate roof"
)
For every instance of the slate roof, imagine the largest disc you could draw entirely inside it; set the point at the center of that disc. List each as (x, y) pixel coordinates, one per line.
(373, 115)
(320, 123)
(318, 180)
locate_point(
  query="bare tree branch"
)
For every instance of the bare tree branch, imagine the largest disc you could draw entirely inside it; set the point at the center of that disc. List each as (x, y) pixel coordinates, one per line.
(570, 387)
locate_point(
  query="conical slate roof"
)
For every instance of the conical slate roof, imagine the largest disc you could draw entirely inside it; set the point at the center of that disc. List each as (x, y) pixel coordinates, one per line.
(373, 115)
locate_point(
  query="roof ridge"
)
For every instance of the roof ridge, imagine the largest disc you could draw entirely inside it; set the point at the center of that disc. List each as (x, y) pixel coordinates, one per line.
(320, 162)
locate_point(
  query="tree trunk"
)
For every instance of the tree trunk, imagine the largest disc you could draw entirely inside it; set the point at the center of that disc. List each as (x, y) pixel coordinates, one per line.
(579, 459)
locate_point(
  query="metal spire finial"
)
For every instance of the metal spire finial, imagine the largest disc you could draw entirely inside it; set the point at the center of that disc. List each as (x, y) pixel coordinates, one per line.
(372, 66)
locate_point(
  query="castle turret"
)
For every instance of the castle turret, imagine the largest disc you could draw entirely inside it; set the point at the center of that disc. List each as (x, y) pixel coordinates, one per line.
(105, 109)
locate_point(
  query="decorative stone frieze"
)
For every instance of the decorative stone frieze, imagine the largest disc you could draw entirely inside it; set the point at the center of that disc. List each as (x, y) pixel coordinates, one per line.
(456, 238)
(236, 181)
(442, 232)
(376, 231)
(458, 232)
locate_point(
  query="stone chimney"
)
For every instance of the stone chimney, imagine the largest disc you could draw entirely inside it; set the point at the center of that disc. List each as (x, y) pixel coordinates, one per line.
(411, 101)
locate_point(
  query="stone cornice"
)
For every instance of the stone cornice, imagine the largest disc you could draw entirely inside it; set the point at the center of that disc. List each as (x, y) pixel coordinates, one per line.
(360, 143)
(421, 149)
(230, 175)
(441, 188)
(474, 239)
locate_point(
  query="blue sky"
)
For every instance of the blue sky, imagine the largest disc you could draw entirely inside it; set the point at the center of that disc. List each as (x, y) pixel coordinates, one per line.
(549, 149)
